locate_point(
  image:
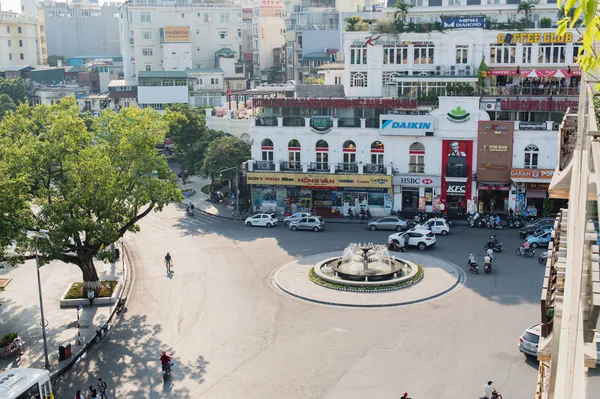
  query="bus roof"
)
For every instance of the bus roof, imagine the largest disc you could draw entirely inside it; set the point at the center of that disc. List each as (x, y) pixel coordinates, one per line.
(14, 381)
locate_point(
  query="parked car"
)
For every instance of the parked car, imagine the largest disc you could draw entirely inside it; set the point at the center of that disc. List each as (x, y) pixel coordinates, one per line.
(529, 341)
(390, 223)
(540, 239)
(535, 225)
(421, 239)
(262, 219)
(439, 226)
(314, 223)
(296, 216)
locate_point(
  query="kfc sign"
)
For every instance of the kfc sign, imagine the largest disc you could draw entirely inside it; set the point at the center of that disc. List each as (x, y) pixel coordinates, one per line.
(456, 188)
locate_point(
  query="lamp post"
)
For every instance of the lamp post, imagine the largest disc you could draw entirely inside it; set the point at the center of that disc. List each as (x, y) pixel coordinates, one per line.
(37, 268)
(237, 187)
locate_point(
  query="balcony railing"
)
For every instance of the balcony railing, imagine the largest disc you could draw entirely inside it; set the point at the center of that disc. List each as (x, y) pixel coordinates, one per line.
(293, 121)
(347, 167)
(266, 121)
(264, 165)
(416, 168)
(348, 122)
(291, 166)
(374, 168)
(529, 91)
(318, 167)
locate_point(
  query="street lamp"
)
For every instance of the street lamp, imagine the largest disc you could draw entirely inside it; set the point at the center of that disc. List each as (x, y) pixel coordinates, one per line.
(237, 187)
(41, 233)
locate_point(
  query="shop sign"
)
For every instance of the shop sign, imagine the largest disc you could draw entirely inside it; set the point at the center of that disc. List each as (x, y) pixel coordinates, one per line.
(176, 34)
(538, 186)
(318, 180)
(378, 41)
(462, 22)
(493, 187)
(521, 173)
(538, 105)
(376, 103)
(548, 37)
(457, 188)
(494, 150)
(458, 115)
(417, 181)
(406, 125)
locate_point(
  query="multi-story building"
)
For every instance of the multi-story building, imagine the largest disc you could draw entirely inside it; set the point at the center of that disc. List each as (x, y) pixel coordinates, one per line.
(164, 36)
(80, 29)
(19, 40)
(123, 93)
(268, 40)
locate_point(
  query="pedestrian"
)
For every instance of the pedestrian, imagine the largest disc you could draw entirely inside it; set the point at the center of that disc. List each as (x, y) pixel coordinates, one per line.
(405, 396)
(90, 295)
(492, 204)
(102, 389)
(95, 394)
(90, 392)
(18, 342)
(78, 395)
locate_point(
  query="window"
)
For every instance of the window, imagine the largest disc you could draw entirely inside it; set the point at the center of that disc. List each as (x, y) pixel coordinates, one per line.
(147, 52)
(10, 56)
(527, 49)
(167, 82)
(224, 17)
(453, 2)
(576, 48)
(377, 152)
(358, 56)
(9, 43)
(416, 3)
(206, 17)
(435, 3)
(21, 56)
(147, 35)
(294, 149)
(551, 53)
(462, 54)
(19, 30)
(20, 43)
(358, 79)
(145, 17)
(531, 156)
(239, 69)
(500, 54)
(417, 158)
(239, 32)
(222, 34)
(148, 68)
(473, 2)
(322, 152)
(423, 54)
(338, 80)
(214, 81)
(349, 150)
(8, 29)
(267, 150)
(395, 55)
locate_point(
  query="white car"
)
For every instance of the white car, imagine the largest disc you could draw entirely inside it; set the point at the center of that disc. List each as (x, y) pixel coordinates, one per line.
(296, 216)
(421, 239)
(439, 226)
(262, 219)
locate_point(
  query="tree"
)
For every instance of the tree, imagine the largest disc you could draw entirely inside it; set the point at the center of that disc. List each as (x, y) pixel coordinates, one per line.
(52, 60)
(15, 89)
(86, 181)
(6, 105)
(545, 22)
(353, 23)
(314, 81)
(527, 8)
(482, 73)
(402, 10)
(222, 153)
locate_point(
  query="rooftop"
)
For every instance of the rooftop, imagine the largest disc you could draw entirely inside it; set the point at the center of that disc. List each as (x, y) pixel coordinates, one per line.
(18, 67)
(123, 82)
(205, 70)
(331, 65)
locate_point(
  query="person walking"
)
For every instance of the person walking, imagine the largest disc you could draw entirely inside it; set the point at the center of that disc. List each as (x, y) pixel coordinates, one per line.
(492, 204)
(102, 388)
(90, 392)
(90, 295)
(78, 395)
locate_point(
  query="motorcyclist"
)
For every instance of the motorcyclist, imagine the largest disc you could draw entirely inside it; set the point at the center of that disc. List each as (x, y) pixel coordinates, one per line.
(490, 253)
(165, 361)
(487, 261)
(471, 262)
(525, 247)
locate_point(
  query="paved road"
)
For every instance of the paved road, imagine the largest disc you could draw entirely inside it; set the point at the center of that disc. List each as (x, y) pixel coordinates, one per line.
(233, 336)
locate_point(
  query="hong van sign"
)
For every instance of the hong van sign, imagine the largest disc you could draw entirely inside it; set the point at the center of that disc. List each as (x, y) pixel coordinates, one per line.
(406, 125)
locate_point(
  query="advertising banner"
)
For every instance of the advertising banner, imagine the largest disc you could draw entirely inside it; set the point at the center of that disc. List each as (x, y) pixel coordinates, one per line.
(457, 164)
(319, 180)
(417, 181)
(494, 151)
(463, 22)
(406, 125)
(176, 34)
(520, 174)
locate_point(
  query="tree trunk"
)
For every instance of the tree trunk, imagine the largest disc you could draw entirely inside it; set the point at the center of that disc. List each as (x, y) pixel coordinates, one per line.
(90, 277)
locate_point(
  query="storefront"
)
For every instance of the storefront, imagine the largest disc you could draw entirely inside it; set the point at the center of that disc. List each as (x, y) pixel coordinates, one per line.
(457, 169)
(530, 188)
(326, 195)
(412, 193)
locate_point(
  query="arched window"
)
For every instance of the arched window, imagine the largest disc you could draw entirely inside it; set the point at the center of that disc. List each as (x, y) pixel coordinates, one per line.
(245, 137)
(531, 156)
(322, 152)
(266, 147)
(377, 149)
(358, 79)
(294, 149)
(417, 158)
(349, 151)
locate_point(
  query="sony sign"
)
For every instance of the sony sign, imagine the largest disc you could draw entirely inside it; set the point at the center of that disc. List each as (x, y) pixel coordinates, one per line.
(456, 188)
(406, 125)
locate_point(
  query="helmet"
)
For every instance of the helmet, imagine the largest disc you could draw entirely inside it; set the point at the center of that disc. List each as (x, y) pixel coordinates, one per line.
(405, 394)
(164, 353)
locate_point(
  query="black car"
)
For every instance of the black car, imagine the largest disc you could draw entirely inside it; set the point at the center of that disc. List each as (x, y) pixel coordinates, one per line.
(537, 224)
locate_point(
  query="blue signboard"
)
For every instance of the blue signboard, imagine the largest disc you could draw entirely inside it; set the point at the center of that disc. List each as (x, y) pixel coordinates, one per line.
(463, 23)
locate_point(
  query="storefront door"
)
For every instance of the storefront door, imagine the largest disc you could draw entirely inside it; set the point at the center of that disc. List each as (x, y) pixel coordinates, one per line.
(410, 199)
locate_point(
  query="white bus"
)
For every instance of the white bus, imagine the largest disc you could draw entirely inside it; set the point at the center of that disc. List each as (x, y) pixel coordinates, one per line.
(25, 384)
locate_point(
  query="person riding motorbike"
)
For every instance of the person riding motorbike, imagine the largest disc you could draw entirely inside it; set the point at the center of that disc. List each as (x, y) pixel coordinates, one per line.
(525, 247)
(487, 262)
(493, 241)
(165, 361)
(471, 263)
(490, 253)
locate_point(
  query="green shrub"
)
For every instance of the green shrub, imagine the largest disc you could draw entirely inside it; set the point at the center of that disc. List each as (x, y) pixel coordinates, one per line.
(315, 279)
(8, 338)
(545, 22)
(76, 290)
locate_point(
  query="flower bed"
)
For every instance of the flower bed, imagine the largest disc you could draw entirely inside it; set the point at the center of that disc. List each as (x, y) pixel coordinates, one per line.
(76, 291)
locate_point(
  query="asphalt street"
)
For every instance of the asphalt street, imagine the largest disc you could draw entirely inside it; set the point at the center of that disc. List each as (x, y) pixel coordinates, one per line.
(233, 336)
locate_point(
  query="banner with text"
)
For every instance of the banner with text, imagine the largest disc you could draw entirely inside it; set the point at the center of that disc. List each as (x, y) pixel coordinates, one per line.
(319, 180)
(494, 151)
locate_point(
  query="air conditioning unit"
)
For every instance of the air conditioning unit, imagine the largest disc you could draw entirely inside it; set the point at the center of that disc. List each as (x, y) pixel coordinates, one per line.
(490, 107)
(438, 68)
(452, 72)
(520, 184)
(468, 67)
(520, 190)
(263, 165)
(373, 168)
(438, 73)
(453, 67)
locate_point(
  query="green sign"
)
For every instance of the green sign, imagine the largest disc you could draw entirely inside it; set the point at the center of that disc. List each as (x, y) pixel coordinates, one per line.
(458, 115)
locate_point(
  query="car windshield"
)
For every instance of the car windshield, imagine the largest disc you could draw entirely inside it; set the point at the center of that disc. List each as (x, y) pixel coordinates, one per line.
(529, 337)
(320, 219)
(430, 235)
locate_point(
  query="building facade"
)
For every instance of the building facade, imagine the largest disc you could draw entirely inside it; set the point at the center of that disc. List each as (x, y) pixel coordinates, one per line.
(19, 40)
(268, 40)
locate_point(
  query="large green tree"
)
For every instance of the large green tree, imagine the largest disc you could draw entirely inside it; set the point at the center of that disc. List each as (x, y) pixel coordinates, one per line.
(401, 12)
(86, 181)
(6, 105)
(526, 7)
(52, 60)
(15, 89)
(223, 153)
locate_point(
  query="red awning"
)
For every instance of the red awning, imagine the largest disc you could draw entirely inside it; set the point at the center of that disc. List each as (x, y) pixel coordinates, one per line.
(534, 73)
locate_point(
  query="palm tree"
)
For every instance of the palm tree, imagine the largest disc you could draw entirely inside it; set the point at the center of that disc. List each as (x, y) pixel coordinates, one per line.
(403, 8)
(527, 8)
(352, 23)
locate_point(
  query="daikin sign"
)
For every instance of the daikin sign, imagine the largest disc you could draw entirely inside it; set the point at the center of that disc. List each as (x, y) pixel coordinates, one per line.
(406, 125)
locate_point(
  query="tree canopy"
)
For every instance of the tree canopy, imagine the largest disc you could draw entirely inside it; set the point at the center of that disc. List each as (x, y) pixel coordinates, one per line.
(87, 181)
(223, 153)
(52, 60)
(15, 89)
(6, 105)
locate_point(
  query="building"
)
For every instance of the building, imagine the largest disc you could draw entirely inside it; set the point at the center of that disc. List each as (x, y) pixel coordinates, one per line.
(268, 33)
(19, 40)
(75, 29)
(123, 93)
(164, 36)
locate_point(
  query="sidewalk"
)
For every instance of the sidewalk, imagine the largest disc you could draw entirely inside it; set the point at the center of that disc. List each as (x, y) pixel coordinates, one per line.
(20, 310)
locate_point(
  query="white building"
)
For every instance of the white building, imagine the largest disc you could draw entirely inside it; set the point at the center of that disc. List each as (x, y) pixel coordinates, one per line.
(19, 40)
(123, 93)
(165, 36)
(268, 32)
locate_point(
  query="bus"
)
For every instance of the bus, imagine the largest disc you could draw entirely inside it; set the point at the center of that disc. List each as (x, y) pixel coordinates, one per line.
(25, 384)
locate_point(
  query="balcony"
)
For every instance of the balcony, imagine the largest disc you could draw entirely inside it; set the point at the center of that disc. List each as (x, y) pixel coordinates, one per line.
(416, 168)
(321, 123)
(529, 91)
(348, 122)
(318, 167)
(293, 121)
(347, 167)
(264, 165)
(267, 121)
(374, 168)
(293, 166)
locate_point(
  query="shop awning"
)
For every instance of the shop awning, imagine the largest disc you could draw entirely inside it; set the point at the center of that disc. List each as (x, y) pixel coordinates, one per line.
(534, 73)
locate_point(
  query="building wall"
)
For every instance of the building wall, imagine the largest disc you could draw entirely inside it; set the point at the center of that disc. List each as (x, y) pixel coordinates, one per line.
(162, 95)
(268, 33)
(177, 56)
(544, 140)
(74, 31)
(24, 46)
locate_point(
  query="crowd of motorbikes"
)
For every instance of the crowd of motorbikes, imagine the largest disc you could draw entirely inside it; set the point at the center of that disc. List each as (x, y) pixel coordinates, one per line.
(362, 214)
(492, 221)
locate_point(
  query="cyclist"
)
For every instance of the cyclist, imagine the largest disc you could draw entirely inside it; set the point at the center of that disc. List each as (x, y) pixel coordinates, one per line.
(168, 262)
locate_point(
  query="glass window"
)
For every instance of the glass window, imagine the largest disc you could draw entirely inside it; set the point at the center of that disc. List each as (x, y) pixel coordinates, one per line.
(417, 158)
(395, 55)
(147, 35)
(358, 79)
(423, 54)
(435, 3)
(527, 49)
(358, 56)
(145, 17)
(147, 52)
(576, 48)
(462, 54)
(551, 53)
(502, 54)
(531, 156)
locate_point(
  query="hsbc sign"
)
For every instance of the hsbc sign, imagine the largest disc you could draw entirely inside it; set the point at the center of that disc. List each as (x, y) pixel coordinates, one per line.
(457, 188)
(417, 181)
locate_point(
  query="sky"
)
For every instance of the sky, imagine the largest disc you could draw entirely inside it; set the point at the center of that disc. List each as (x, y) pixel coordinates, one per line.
(11, 5)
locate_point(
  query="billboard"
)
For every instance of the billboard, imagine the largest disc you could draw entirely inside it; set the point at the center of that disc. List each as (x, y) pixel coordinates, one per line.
(406, 125)
(494, 151)
(318, 180)
(457, 161)
(463, 22)
(176, 34)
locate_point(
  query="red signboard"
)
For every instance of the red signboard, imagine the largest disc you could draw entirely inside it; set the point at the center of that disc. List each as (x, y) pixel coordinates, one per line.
(537, 105)
(378, 103)
(457, 156)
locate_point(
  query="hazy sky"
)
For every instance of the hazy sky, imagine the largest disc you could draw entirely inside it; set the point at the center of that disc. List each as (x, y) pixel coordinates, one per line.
(11, 5)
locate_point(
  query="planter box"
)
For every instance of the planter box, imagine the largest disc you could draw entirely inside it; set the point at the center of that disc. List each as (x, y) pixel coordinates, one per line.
(65, 303)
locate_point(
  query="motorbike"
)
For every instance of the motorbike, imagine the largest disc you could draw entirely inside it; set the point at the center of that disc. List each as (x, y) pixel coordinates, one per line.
(166, 371)
(487, 267)
(482, 221)
(393, 246)
(216, 197)
(515, 222)
(525, 252)
(494, 224)
(543, 257)
(364, 215)
(496, 247)
(120, 305)
(472, 267)
(473, 219)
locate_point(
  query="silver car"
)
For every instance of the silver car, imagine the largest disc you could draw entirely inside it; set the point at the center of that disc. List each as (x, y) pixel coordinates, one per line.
(314, 223)
(296, 216)
(389, 223)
